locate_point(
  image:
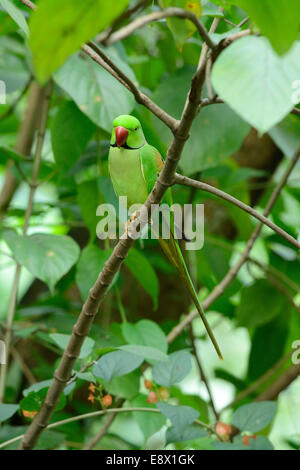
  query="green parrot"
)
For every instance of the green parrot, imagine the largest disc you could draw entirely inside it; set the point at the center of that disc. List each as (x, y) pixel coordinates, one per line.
(133, 167)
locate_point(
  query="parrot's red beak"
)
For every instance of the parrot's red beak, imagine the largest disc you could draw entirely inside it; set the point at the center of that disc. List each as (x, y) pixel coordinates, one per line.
(121, 135)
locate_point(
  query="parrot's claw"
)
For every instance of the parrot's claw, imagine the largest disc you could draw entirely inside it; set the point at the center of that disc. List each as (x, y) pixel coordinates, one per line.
(132, 218)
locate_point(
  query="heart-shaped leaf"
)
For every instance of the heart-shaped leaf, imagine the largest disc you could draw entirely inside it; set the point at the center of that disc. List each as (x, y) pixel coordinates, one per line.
(115, 364)
(59, 28)
(48, 257)
(255, 82)
(94, 90)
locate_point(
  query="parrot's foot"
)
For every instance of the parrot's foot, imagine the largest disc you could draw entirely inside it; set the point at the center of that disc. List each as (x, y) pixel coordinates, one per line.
(132, 218)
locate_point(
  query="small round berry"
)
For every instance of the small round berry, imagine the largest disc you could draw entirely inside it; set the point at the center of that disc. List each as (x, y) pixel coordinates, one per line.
(107, 400)
(223, 429)
(163, 393)
(152, 397)
(148, 384)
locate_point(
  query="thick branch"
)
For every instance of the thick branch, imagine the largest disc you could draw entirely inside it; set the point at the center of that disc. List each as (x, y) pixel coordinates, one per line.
(98, 291)
(184, 180)
(226, 281)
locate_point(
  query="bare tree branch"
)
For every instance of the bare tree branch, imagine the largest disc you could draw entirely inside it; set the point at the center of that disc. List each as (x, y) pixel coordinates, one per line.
(95, 53)
(222, 286)
(103, 37)
(202, 373)
(156, 16)
(280, 384)
(94, 414)
(97, 438)
(184, 180)
(259, 382)
(13, 106)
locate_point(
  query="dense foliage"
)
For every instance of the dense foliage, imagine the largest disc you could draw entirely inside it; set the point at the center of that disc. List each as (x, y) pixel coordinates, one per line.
(55, 129)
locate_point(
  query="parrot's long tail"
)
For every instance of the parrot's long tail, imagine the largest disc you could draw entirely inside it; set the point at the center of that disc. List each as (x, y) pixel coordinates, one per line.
(172, 250)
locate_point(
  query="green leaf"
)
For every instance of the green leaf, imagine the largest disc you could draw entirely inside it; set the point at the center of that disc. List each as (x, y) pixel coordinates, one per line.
(88, 200)
(180, 416)
(145, 333)
(259, 443)
(142, 270)
(71, 131)
(174, 370)
(59, 28)
(13, 72)
(149, 423)
(126, 386)
(63, 340)
(286, 135)
(36, 387)
(48, 257)
(192, 431)
(115, 364)
(91, 263)
(212, 10)
(249, 67)
(7, 411)
(94, 90)
(146, 352)
(277, 20)
(255, 416)
(194, 401)
(259, 304)
(216, 133)
(182, 29)
(267, 345)
(16, 15)
(6, 153)
(34, 400)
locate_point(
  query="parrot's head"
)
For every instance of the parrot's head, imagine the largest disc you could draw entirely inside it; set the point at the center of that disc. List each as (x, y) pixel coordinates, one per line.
(127, 133)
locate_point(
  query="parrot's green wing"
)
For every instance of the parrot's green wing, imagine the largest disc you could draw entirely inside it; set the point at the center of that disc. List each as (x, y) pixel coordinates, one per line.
(152, 163)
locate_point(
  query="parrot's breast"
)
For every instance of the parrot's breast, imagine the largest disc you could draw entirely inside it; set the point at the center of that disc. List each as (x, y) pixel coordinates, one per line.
(126, 175)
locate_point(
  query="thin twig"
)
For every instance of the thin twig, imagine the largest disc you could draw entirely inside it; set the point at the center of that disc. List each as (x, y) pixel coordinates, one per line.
(110, 419)
(202, 373)
(103, 37)
(95, 53)
(94, 414)
(185, 181)
(159, 15)
(14, 291)
(259, 382)
(13, 106)
(296, 111)
(280, 384)
(29, 4)
(226, 281)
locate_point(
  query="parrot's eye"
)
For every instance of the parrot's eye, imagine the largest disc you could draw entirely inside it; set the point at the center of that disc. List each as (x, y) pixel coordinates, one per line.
(135, 129)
